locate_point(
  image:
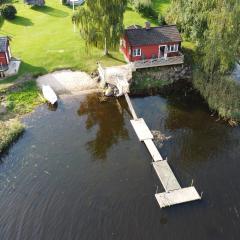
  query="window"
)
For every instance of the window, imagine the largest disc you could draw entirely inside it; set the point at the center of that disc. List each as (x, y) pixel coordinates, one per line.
(173, 48)
(137, 52)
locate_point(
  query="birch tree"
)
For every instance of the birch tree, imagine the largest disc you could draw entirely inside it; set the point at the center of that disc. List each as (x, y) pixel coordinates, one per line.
(101, 22)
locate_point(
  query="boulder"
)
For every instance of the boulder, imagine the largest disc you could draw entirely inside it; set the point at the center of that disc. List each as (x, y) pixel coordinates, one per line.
(3, 108)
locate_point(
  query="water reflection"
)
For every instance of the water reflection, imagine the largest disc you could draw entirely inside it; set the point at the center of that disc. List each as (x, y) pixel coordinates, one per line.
(109, 118)
(193, 126)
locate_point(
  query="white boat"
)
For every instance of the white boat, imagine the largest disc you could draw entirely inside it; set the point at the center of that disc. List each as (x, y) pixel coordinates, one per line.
(49, 94)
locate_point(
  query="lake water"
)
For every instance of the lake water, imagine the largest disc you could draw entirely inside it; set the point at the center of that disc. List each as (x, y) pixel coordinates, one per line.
(80, 173)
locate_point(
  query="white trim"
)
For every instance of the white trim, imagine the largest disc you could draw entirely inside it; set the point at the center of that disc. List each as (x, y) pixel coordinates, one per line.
(175, 48)
(165, 51)
(135, 52)
(8, 61)
(9, 52)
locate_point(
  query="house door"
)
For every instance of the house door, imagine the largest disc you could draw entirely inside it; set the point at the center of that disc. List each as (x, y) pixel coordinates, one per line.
(162, 51)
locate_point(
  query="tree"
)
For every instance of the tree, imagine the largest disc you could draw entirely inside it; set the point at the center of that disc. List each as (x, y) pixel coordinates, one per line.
(101, 22)
(215, 27)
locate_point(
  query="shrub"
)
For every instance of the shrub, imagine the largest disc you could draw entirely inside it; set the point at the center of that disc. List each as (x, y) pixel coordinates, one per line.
(161, 20)
(145, 8)
(8, 11)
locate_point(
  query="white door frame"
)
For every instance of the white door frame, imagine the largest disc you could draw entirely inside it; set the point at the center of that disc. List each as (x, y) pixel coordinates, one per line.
(165, 52)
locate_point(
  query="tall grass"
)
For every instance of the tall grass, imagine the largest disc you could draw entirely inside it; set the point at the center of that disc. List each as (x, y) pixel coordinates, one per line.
(9, 131)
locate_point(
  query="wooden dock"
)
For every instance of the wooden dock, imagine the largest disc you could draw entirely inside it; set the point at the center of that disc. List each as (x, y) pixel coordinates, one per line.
(173, 194)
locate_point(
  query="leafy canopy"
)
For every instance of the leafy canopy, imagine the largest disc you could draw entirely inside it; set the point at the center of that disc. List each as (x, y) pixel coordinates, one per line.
(101, 22)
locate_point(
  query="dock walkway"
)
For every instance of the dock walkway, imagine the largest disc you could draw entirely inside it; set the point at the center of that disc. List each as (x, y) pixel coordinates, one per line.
(173, 194)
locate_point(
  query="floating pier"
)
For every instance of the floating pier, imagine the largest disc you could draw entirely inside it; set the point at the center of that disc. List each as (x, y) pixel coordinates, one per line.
(174, 193)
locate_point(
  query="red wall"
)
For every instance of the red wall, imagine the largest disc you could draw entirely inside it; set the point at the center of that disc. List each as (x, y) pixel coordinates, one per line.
(126, 50)
(147, 51)
(3, 59)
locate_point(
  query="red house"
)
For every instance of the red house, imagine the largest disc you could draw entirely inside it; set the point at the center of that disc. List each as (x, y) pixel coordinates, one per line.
(5, 53)
(158, 45)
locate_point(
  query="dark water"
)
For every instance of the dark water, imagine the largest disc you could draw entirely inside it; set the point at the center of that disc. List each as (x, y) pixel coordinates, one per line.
(80, 173)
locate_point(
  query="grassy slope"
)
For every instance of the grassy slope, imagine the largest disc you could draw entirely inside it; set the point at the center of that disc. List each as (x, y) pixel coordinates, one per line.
(44, 39)
(161, 5)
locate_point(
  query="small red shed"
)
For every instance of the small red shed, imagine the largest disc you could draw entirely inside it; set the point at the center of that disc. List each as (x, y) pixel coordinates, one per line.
(141, 43)
(5, 53)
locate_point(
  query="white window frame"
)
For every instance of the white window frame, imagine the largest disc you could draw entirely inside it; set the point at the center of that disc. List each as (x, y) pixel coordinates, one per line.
(173, 48)
(9, 51)
(6, 54)
(137, 52)
(165, 52)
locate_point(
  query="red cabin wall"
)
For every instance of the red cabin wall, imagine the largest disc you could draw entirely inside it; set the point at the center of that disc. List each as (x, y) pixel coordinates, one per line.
(127, 49)
(3, 59)
(147, 51)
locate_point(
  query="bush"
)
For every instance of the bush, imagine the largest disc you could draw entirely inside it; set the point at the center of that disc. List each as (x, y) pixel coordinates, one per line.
(145, 8)
(221, 93)
(161, 20)
(8, 12)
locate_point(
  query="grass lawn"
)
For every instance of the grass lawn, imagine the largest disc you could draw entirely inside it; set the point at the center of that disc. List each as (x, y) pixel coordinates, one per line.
(161, 6)
(43, 38)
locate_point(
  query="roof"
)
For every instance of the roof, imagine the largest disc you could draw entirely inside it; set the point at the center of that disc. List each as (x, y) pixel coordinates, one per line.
(153, 36)
(3, 44)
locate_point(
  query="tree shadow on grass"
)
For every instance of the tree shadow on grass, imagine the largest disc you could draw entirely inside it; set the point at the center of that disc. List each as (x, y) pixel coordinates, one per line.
(50, 11)
(150, 19)
(22, 21)
(116, 59)
(26, 70)
(1, 22)
(35, 71)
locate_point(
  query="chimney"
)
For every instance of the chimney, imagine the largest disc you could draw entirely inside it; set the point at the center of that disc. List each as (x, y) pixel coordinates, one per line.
(147, 25)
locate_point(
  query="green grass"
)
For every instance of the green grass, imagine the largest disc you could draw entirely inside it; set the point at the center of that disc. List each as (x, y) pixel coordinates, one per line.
(24, 99)
(10, 131)
(43, 38)
(161, 6)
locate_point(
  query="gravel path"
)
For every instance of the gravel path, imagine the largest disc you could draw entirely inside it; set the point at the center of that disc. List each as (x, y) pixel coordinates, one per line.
(68, 82)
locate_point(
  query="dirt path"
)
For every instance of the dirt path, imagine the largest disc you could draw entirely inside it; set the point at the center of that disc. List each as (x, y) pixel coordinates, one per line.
(68, 82)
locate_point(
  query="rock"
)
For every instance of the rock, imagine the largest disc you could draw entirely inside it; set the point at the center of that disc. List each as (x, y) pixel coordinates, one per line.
(3, 108)
(159, 136)
(109, 92)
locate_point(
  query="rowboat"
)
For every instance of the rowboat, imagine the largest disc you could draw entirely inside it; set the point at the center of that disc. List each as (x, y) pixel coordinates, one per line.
(49, 94)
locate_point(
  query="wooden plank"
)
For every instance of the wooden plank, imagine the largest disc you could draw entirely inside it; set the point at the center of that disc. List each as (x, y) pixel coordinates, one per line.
(141, 129)
(153, 150)
(182, 195)
(130, 106)
(166, 176)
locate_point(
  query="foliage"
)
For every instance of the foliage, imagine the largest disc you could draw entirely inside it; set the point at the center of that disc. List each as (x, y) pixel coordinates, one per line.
(9, 132)
(24, 99)
(101, 22)
(146, 80)
(8, 11)
(145, 7)
(222, 94)
(214, 26)
(161, 19)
